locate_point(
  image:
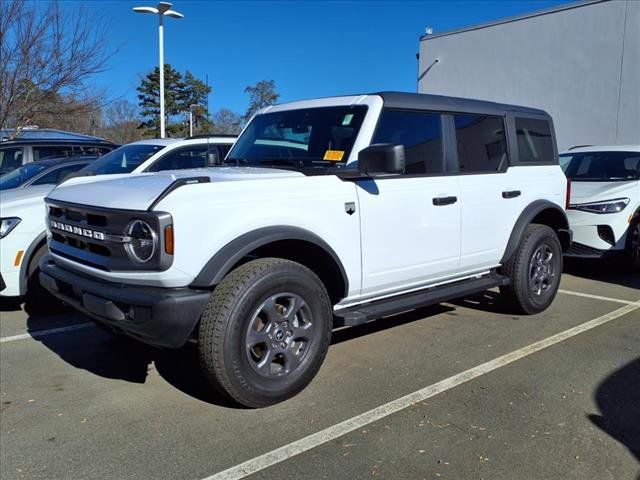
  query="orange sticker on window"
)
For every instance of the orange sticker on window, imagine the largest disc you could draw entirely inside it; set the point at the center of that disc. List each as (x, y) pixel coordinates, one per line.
(334, 155)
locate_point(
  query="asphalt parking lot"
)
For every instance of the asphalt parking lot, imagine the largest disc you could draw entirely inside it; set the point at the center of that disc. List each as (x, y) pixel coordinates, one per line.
(459, 390)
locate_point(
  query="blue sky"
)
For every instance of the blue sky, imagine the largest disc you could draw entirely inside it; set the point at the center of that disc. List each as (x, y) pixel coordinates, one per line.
(310, 48)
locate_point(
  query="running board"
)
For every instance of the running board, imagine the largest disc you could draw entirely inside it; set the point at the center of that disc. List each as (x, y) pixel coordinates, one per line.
(362, 313)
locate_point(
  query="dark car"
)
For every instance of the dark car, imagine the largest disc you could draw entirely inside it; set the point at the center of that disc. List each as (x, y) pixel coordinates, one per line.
(44, 172)
(39, 144)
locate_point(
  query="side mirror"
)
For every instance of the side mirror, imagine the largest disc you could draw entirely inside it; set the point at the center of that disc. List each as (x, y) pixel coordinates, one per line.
(381, 159)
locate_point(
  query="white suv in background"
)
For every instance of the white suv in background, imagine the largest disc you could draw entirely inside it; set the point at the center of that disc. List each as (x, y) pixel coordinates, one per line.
(156, 155)
(604, 210)
(23, 230)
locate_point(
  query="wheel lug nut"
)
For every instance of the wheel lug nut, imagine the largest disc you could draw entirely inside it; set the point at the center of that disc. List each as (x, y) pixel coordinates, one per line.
(283, 345)
(289, 333)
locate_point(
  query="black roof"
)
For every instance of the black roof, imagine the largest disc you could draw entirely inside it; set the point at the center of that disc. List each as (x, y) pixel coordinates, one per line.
(423, 101)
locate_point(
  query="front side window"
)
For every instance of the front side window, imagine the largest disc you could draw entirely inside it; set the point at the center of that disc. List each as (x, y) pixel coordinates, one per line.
(124, 159)
(50, 151)
(90, 150)
(601, 166)
(535, 144)
(181, 158)
(310, 138)
(421, 135)
(482, 146)
(56, 175)
(10, 158)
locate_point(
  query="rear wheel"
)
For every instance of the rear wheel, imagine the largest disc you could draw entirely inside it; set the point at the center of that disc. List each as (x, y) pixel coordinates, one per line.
(265, 331)
(534, 270)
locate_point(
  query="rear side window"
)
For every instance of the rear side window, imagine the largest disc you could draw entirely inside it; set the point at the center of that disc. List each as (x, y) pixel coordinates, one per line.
(535, 144)
(421, 135)
(482, 147)
(49, 151)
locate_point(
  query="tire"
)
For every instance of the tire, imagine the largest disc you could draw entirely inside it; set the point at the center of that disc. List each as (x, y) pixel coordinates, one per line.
(534, 270)
(633, 246)
(37, 299)
(265, 331)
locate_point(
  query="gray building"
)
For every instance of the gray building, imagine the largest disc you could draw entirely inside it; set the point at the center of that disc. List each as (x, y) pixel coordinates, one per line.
(579, 62)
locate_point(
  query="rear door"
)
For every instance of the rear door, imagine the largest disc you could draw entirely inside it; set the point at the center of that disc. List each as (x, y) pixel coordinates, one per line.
(492, 193)
(410, 223)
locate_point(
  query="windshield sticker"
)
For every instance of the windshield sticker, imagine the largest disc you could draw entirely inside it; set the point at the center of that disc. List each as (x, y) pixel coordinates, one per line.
(346, 121)
(334, 155)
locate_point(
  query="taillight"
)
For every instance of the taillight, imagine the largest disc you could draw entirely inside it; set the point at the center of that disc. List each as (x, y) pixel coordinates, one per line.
(568, 199)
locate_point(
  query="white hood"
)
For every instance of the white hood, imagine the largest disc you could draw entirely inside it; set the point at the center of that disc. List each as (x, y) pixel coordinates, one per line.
(138, 191)
(585, 192)
(17, 200)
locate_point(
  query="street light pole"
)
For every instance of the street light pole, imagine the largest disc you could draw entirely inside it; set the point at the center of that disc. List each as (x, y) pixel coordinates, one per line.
(161, 63)
(163, 8)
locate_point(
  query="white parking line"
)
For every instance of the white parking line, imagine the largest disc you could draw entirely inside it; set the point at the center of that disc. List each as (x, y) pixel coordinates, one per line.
(331, 433)
(596, 297)
(42, 333)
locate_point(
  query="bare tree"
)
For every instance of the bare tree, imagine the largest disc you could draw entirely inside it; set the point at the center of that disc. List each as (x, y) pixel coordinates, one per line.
(122, 120)
(226, 122)
(47, 55)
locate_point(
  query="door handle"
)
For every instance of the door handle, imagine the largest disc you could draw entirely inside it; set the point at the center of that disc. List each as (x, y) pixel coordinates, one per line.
(440, 201)
(511, 194)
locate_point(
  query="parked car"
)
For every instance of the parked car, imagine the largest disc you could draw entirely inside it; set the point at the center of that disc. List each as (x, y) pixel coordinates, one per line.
(604, 211)
(22, 250)
(40, 144)
(23, 243)
(44, 172)
(332, 212)
(156, 155)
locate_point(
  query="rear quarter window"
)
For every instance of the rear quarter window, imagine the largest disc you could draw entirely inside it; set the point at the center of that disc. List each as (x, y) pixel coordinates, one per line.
(535, 144)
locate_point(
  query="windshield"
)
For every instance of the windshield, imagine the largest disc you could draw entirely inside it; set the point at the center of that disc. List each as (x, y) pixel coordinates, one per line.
(601, 166)
(121, 160)
(311, 138)
(21, 175)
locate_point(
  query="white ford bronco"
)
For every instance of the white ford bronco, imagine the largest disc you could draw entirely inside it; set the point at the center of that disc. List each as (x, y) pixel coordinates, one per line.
(325, 213)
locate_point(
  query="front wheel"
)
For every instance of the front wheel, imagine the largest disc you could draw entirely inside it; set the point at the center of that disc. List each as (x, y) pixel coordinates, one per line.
(534, 270)
(633, 245)
(265, 331)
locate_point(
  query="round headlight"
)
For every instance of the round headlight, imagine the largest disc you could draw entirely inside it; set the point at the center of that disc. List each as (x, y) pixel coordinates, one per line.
(142, 243)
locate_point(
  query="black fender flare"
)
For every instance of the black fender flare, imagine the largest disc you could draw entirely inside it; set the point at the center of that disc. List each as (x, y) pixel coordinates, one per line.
(26, 260)
(229, 255)
(527, 216)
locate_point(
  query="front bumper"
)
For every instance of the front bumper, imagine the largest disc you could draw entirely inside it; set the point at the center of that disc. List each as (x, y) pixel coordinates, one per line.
(163, 317)
(604, 232)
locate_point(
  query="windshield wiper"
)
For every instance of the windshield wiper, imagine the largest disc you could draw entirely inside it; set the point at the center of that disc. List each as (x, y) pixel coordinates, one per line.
(297, 164)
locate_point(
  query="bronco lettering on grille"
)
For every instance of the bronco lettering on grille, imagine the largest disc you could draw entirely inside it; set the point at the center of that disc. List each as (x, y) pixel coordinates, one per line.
(85, 232)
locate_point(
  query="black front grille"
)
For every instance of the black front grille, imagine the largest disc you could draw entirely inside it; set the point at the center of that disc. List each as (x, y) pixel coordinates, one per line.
(96, 237)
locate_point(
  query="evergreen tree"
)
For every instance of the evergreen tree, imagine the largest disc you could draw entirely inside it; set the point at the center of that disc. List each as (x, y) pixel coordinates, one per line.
(180, 92)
